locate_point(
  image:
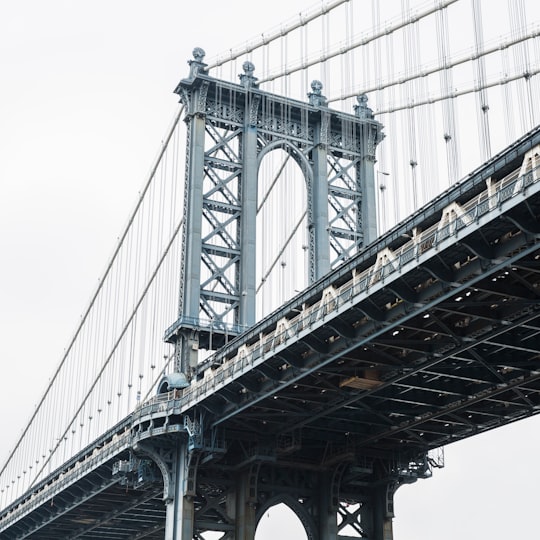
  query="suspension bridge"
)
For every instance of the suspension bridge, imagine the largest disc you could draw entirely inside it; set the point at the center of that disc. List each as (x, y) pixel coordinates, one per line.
(339, 318)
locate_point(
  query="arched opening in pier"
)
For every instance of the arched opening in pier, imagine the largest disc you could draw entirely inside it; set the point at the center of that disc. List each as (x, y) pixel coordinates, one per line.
(281, 522)
(282, 227)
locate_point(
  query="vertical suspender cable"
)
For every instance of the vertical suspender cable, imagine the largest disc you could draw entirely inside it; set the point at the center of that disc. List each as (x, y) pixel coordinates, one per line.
(479, 65)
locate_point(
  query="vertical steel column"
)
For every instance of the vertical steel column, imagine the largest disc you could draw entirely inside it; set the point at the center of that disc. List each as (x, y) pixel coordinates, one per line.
(318, 218)
(383, 503)
(370, 134)
(368, 210)
(327, 510)
(187, 344)
(248, 233)
(246, 499)
(319, 196)
(180, 512)
(377, 505)
(191, 281)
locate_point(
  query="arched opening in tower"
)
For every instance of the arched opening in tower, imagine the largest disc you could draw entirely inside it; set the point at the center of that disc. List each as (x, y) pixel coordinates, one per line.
(282, 235)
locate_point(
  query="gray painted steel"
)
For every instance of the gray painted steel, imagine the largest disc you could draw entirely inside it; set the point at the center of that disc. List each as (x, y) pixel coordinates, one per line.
(337, 397)
(230, 129)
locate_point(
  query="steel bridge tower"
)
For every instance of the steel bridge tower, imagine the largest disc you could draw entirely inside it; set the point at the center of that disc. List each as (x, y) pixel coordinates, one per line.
(230, 129)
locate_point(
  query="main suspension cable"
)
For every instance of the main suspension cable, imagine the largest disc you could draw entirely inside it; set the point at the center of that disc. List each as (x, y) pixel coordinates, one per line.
(303, 19)
(94, 297)
(354, 44)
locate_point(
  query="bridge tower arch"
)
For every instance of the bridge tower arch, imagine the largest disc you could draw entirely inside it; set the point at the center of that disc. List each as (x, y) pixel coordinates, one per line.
(282, 226)
(230, 128)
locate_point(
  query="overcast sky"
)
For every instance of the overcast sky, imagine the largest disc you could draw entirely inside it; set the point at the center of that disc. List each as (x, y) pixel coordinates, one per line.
(85, 99)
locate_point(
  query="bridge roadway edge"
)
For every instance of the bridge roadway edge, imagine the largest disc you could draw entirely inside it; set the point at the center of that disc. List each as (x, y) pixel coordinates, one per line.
(169, 408)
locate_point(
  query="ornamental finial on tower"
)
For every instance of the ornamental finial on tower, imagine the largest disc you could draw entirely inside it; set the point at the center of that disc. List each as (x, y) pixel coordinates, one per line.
(316, 98)
(247, 79)
(198, 54)
(362, 110)
(197, 66)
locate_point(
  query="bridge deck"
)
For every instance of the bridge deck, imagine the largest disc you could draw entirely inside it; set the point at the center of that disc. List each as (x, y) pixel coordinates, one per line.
(429, 342)
(423, 339)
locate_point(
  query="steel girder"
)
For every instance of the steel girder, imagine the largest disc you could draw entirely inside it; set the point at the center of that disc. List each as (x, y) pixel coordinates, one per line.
(444, 350)
(445, 344)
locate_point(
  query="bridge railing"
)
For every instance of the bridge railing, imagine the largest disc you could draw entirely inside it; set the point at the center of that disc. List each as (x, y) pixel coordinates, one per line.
(56, 483)
(455, 219)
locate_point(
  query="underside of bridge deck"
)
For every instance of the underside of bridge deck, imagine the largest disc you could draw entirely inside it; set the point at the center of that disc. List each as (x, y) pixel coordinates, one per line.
(402, 372)
(337, 414)
(99, 505)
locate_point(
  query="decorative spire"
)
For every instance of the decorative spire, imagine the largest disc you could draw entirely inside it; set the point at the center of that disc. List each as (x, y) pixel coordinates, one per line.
(362, 110)
(247, 79)
(316, 98)
(197, 66)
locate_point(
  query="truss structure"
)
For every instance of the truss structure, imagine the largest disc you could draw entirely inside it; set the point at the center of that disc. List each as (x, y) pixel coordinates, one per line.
(231, 128)
(333, 402)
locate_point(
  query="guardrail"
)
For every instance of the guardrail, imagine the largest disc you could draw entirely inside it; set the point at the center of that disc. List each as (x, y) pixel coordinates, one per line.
(88, 461)
(64, 479)
(457, 221)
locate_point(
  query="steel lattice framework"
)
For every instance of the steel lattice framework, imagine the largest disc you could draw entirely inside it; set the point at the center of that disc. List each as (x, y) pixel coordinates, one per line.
(428, 336)
(231, 128)
(398, 345)
(415, 62)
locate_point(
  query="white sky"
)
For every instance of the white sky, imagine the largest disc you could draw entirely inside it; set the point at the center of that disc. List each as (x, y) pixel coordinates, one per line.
(85, 98)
